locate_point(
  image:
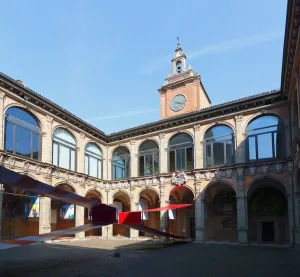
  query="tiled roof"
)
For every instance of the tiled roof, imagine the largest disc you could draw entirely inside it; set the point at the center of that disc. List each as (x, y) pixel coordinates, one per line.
(49, 101)
(197, 112)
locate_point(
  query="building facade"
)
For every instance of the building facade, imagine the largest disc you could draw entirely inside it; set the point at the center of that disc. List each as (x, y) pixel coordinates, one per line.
(233, 161)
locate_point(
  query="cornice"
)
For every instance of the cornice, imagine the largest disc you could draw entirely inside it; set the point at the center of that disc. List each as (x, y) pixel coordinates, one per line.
(48, 106)
(290, 43)
(179, 83)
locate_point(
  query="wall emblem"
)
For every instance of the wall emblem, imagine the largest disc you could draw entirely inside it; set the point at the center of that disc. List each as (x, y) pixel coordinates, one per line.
(178, 178)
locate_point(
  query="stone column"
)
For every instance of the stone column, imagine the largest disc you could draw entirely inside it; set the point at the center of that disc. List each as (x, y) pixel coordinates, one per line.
(293, 219)
(242, 207)
(239, 140)
(134, 206)
(107, 231)
(1, 198)
(45, 211)
(242, 218)
(199, 212)
(198, 148)
(108, 164)
(163, 214)
(105, 164)
(47, 141)
(297, 217)
(163, 154)
(80, 153)
(134, 159)
(79, 216)
(2, 119)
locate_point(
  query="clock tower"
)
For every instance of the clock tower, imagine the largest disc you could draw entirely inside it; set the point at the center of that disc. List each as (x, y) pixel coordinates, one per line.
(183, 90)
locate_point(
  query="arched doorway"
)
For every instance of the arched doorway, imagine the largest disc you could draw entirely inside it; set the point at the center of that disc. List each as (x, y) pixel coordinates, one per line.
(267, 212)
(181, 222)
(62, 214)
(92, 195)
(121, 201)
(149, 199)
(220, 213)
(20, 214)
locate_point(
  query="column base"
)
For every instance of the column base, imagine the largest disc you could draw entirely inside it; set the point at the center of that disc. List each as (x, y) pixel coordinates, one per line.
(80, 235)
(134, 234)
(45, 229)
(199, 235)
(243, 236)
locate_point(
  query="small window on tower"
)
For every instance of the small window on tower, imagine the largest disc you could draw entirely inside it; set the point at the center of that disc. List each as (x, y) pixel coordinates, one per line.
(178, 67)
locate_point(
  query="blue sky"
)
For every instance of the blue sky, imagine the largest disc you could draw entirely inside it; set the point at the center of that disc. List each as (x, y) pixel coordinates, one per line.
(105, 60)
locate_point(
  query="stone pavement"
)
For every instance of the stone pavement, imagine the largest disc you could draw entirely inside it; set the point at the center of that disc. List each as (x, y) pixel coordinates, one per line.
(146, 258)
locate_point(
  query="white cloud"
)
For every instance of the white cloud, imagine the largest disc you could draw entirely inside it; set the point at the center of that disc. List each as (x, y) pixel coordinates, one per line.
(221, 47)
(237, 43)
(126, 114)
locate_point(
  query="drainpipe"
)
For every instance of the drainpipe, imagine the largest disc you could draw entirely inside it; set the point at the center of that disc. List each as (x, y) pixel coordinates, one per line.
(292, 179)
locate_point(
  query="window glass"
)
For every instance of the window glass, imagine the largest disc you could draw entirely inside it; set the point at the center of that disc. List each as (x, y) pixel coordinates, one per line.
(23, 142)
(9, 137)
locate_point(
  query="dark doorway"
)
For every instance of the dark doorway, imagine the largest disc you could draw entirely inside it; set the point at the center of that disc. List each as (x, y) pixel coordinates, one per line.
(268, 233)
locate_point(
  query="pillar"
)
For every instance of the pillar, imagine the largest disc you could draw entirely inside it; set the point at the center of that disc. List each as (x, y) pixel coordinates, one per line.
(199, 213)
(163, 214)
(198, 159)
(79, 215)
(45, 215)
(163, 154)
(134, 159)
(47, 140)
(105, 164)
(239, 140)
(2, 119)
(80, 154)
(134, 234)
(297, 217)
(1, 198)
(107, 231)
(242, 218)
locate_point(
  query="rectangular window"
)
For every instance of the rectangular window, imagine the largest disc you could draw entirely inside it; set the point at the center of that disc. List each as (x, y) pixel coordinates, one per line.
(55, 154)
(264, 145)
(35, 146)
(141, 165)
(172, 161)
(219, 153)
(252, 148)
(189, 158)
(208, 155)
(9, 137)
(64, 157)
(86, 164)
(93, 166)
(23, 142)
(180, 159)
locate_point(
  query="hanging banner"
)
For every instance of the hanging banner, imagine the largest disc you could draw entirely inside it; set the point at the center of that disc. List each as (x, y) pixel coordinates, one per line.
(67, 211)
(32, 206)
(143, 205)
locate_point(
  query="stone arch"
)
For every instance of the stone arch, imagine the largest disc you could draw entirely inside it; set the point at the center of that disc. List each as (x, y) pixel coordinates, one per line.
(124, 205)
(147, 139)
(220, 211)
(72, 132)
(215, 124)
(30, 111)
(268, 211)
(216, 182)
(94, 191)
(60, 183)
(148, 188)
(173, 134)
(260, 114)
(112, 150)
(96, 143)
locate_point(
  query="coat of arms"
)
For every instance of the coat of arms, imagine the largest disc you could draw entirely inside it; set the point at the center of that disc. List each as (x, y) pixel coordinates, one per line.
(178, 178)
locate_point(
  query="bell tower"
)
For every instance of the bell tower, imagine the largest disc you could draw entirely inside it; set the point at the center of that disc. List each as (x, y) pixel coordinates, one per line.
(183, 90)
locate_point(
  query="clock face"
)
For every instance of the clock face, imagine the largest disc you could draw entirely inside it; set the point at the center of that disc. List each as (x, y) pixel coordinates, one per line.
(178, 102)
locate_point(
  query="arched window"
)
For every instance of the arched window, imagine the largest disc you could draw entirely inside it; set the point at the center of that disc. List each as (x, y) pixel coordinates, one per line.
(149, 158)
(181, 155)
(219, 146)
(265, 138)
(93, 160)
(64, 146)
(22, 134)
(121, 163)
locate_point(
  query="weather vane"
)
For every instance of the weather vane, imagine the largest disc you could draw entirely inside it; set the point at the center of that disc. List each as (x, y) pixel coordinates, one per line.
(177, 39)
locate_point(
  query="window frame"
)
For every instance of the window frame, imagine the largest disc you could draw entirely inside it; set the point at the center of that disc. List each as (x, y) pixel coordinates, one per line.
(175, 147)
(205, 144)
(144, 154)
(16, 122)
(63, 143)
(127, 165)
(88, 154)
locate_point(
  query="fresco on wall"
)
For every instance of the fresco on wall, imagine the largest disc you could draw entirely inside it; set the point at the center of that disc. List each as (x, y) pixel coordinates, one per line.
(67, 211)
(32, 206)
